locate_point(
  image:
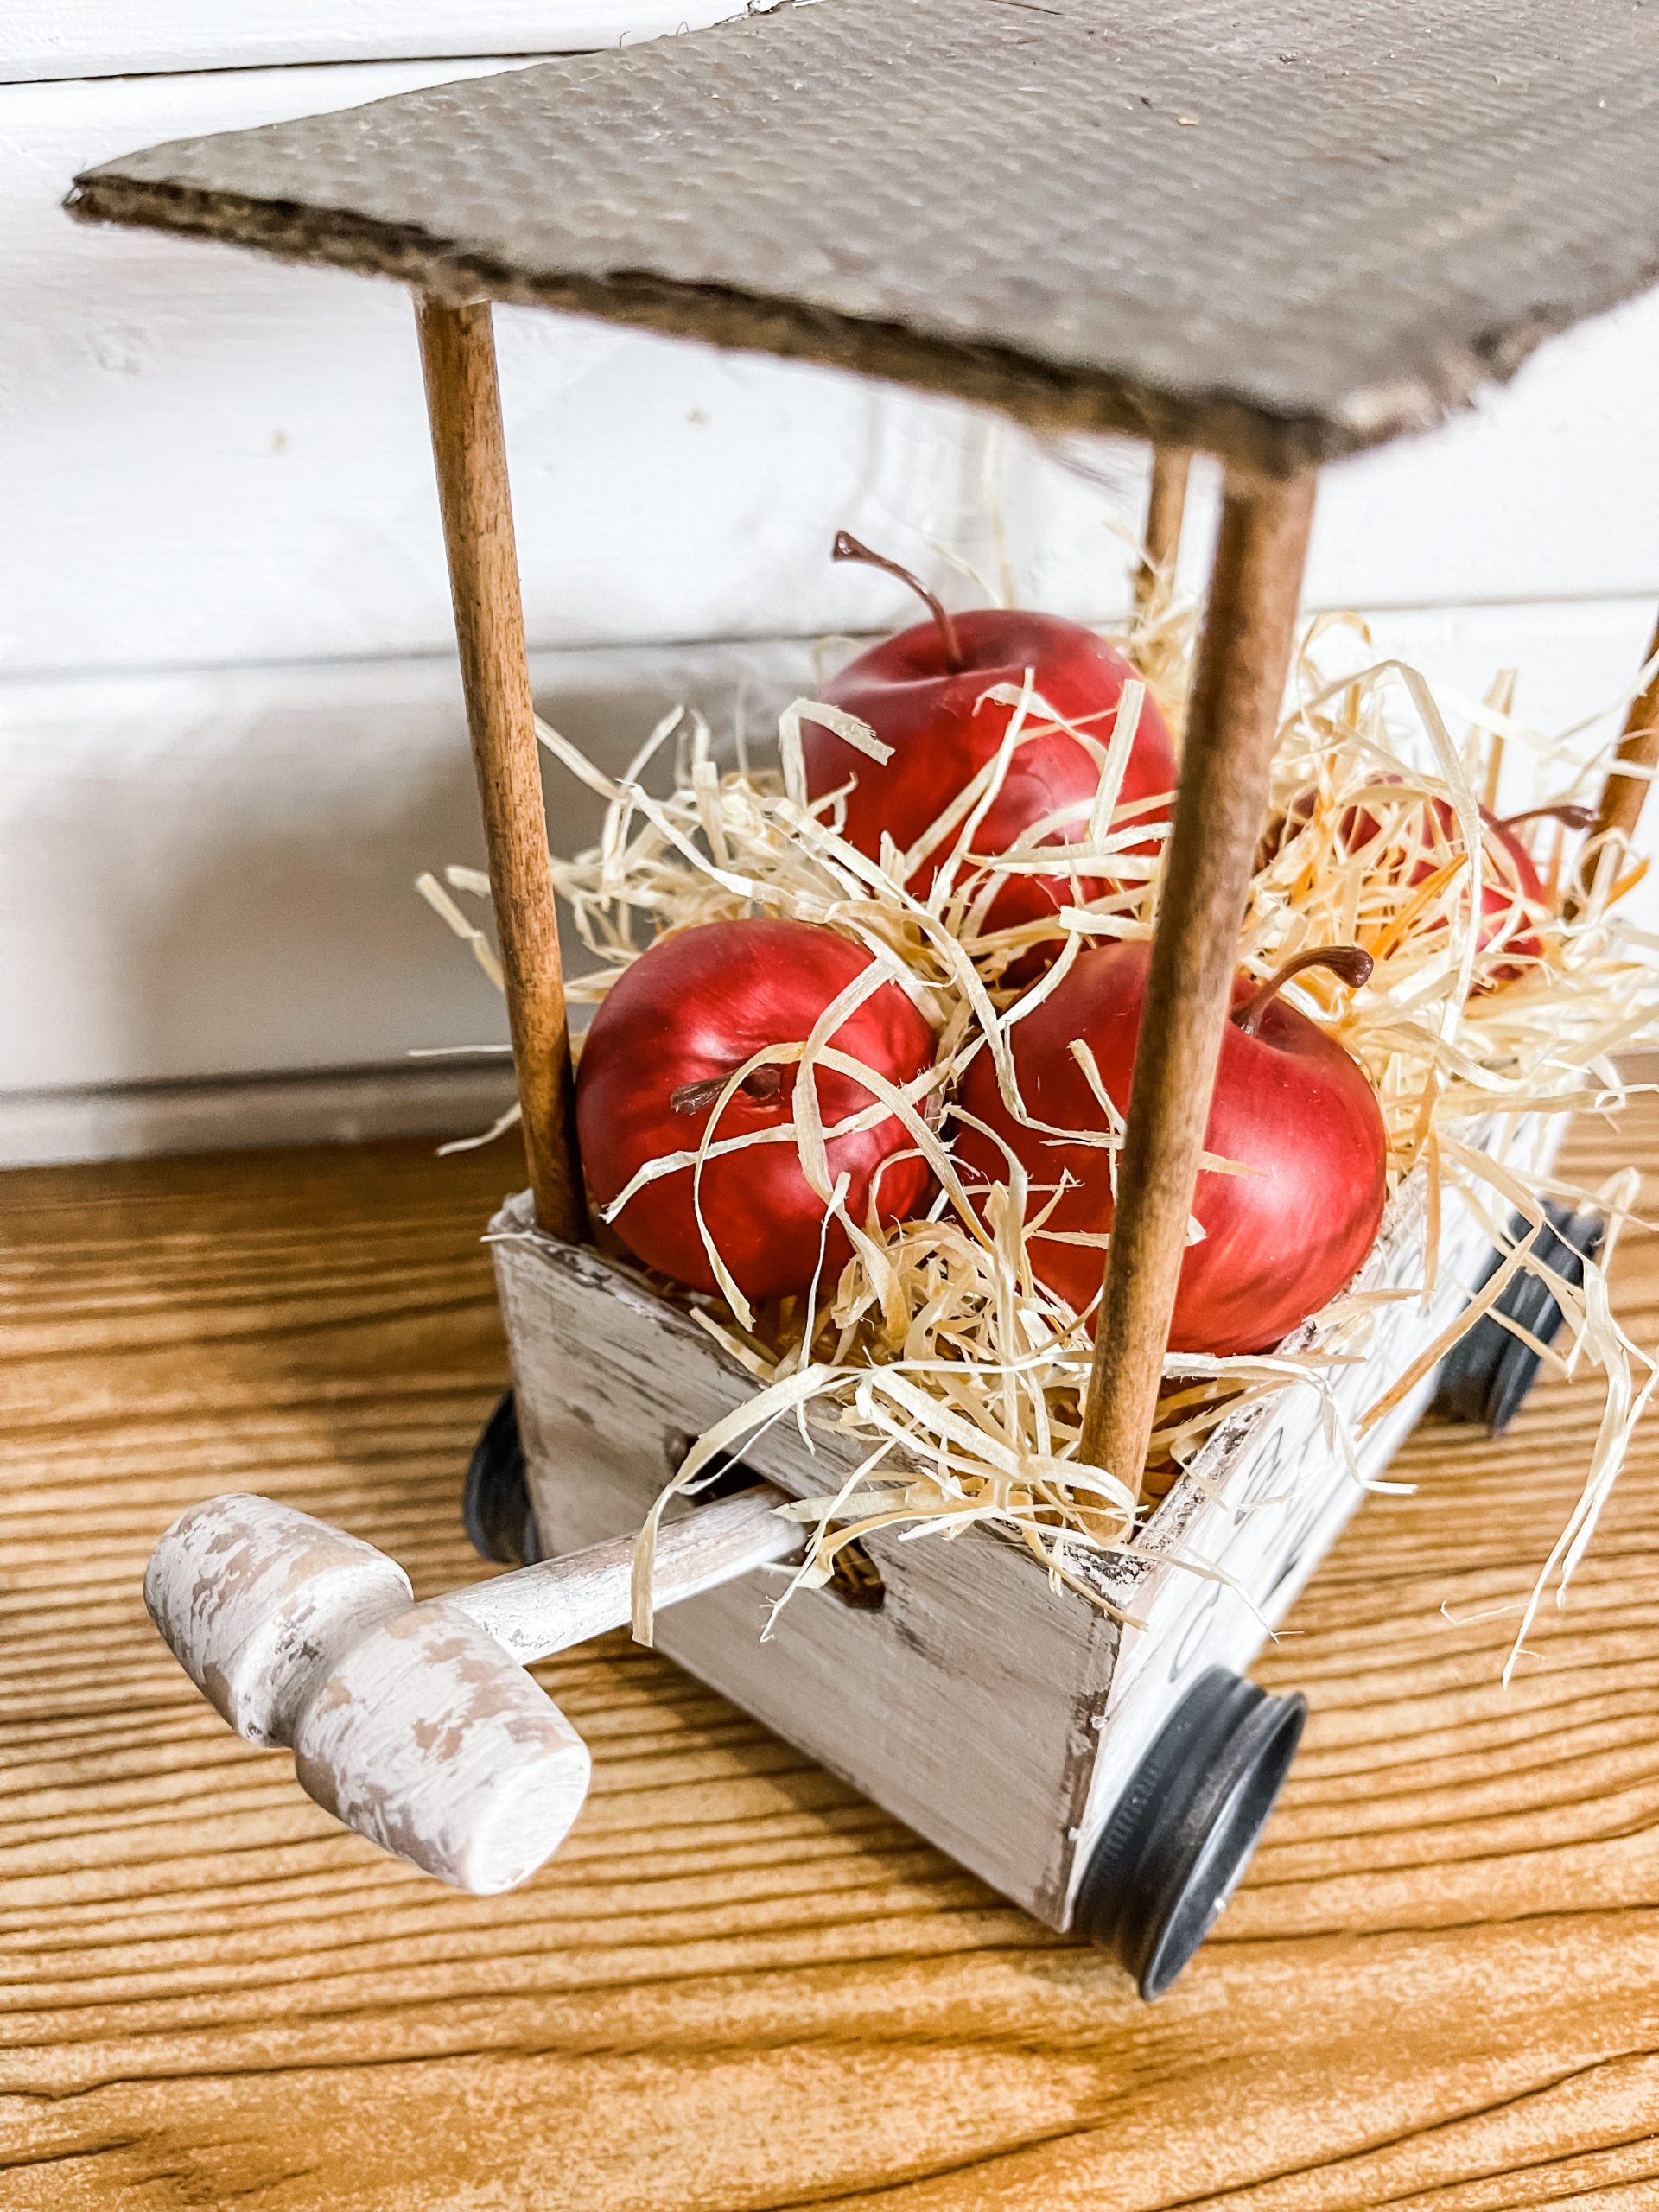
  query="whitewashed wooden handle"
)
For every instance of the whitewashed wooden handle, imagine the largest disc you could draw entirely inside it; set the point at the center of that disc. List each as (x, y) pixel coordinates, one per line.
(416, 1725)
(536, 1611)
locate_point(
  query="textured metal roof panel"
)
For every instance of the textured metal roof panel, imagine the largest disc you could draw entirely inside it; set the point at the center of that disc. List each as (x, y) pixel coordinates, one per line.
(1278, 230)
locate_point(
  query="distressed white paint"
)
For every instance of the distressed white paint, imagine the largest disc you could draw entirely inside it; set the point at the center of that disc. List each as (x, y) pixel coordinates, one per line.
(543, 1609)
(963, 1704)
(46, 39)
(1269, 1496)
(429, 1740)
(255, 1599)
(1008, 1717)
(414, 1725)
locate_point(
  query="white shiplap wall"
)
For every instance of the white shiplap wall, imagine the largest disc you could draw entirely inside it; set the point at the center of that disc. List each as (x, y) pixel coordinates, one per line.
(43, 40)
(230, 732)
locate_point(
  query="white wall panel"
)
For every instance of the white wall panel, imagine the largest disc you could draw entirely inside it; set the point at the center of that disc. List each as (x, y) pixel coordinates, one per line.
(229, 729)
(1540, 492)
(1547, 490)
(44, 39)
(224, 885)
(212, 458)
(212, 872)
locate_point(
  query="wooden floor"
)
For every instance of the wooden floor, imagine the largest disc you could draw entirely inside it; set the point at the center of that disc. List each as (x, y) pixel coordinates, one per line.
(740, 1987)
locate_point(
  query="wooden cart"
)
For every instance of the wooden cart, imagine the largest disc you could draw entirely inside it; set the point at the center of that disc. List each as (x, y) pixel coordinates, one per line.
(1277, 236)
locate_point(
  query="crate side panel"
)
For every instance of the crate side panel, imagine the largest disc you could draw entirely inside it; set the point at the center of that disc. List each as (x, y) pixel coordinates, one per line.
(1265, 1503)
(966, 1705)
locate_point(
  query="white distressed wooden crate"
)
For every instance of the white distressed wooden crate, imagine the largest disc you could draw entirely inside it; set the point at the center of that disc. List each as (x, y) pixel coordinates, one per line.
(997, 1716)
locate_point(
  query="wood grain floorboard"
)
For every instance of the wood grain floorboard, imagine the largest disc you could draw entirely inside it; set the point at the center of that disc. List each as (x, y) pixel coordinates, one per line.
(739, 1988)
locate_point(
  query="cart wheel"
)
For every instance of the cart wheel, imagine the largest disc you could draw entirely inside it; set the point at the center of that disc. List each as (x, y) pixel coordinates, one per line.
(495, 1509)
(1489, 1372)
(1184, 1828)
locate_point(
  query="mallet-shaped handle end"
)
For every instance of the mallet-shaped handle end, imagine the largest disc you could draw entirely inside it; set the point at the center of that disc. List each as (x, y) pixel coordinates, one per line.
(415, 1725)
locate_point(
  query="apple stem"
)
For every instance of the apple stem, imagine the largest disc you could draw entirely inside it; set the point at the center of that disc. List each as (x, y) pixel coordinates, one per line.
(1570, 816)
(691, 1098)
(1347, 962)
(848, 548)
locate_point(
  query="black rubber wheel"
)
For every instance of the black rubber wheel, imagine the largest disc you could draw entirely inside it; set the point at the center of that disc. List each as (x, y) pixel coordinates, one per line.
(1185, 1828)
(495, 1507)
(1487, 1374)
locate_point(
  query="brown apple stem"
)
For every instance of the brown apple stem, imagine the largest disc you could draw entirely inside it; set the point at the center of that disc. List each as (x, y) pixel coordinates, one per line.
(848, 548)
(692, 1097)
(1570, 816)
(1347, 962)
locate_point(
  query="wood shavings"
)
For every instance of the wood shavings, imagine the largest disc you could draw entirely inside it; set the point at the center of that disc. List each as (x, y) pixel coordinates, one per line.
(939, 1349)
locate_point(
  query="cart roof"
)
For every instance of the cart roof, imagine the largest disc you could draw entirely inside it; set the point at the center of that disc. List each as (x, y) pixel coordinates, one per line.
(1279, 229)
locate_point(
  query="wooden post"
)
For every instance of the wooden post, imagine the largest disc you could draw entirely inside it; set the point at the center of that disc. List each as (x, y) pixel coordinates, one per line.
(1232, 724)
(464, 407)
(1166, 506)
(1624, 797)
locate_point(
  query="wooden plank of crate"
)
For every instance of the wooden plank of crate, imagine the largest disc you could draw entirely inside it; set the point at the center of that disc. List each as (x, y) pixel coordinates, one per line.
(967, 1703)
(1269, 1494)
(1014, 1716)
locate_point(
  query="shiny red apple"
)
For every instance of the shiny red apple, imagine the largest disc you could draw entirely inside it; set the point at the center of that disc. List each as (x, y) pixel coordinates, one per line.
(1512, 894)
(1289, 1104)
(670, 1032)
(923, 691)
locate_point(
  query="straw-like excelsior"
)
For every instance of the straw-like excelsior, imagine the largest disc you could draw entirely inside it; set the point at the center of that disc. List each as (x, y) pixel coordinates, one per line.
(938, 1348)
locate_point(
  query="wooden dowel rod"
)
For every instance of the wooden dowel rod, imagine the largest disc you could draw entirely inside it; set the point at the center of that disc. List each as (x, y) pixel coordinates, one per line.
(463, 404)
(1624, 797)
(1166, 507)
(540, 1610)
(1232, 724)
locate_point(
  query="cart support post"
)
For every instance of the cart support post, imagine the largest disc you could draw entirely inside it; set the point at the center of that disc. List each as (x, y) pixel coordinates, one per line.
(1165, 510)
(463, 403)
(1232, 725)
(1623, 797)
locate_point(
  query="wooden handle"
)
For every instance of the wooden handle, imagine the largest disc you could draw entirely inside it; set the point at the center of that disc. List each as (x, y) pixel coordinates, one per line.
(1232, 724)
(1165, 510)
(536, 1611)
(464, 408)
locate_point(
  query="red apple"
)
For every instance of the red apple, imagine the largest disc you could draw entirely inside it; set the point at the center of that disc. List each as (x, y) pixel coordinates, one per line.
(1289, 1104)
(1512, 894)
(670, 1032)
(923, 691)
